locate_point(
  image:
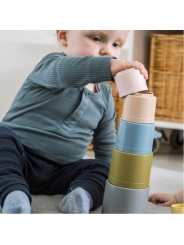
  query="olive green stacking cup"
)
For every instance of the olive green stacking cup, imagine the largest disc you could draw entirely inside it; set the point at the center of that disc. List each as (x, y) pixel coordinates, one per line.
(130, 170)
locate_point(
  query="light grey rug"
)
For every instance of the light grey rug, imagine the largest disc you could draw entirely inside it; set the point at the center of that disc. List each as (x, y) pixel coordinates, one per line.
(167, 175)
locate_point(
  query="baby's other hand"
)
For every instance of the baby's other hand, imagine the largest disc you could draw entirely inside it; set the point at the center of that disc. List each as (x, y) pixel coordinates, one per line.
(164, 198)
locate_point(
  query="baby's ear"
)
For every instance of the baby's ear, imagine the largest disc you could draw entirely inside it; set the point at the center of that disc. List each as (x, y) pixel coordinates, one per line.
(62, 37)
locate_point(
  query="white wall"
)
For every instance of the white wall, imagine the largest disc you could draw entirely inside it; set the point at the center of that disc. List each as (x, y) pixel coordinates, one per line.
(41, 37)
(20, 51)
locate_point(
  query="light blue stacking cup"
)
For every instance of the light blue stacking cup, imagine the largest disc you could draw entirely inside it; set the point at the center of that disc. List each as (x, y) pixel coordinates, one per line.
(136, 138)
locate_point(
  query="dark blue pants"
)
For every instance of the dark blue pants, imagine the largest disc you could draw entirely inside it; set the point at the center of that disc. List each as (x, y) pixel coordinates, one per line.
(22, 170)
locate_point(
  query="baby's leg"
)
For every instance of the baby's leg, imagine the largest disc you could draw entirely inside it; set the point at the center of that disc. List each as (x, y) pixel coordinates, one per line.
(14, 191)
(87, 184)
(77, 201)
(16, 202)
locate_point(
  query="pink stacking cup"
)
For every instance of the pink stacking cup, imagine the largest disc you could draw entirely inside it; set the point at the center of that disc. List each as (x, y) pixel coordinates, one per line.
(130, 81)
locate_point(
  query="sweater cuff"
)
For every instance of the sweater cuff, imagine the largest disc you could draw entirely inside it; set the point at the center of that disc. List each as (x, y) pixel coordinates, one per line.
(99, 68)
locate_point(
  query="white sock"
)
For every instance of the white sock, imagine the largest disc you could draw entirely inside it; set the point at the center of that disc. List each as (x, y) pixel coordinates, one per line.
(16, 202)
(78, 201)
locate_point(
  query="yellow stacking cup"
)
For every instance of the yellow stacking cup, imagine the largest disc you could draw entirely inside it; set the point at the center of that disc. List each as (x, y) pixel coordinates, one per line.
(130, 170)
(177, 208)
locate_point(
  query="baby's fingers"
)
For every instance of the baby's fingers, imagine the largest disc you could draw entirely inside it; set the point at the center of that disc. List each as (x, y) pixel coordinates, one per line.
(166, 204)
(152, 199)
(141, 68)
(155, 198)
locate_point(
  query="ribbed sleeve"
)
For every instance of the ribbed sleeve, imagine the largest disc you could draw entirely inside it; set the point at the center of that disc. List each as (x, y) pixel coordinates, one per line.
(59, 71)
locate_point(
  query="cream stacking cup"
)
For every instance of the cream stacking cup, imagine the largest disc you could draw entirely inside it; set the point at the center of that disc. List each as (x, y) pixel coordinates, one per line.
(139, 108)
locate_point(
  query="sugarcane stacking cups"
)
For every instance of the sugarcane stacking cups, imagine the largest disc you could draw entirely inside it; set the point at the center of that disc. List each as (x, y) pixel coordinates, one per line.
(127, 186)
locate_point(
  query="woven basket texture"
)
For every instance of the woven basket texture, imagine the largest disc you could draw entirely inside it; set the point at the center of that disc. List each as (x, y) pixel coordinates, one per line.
(166, 76)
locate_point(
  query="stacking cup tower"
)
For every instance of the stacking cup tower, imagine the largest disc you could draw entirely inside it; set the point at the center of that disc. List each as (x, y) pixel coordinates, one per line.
(127, 186)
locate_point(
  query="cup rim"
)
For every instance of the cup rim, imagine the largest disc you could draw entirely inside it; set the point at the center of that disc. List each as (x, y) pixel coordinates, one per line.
(178, 205)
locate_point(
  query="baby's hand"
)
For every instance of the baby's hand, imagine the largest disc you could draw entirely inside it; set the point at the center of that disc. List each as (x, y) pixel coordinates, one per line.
(118, 65)
(164, 198)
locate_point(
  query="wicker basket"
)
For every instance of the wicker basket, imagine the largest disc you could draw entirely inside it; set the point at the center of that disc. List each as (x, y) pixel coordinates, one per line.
(166, 76)
(118, 105)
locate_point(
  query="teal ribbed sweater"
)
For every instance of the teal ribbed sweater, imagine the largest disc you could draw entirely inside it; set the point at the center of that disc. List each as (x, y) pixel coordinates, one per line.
(55, 116)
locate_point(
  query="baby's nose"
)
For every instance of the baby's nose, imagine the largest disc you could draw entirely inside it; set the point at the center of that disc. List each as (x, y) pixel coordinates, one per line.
(106, 50)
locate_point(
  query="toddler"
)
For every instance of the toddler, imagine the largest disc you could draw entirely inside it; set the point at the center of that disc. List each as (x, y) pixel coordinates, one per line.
(63, 104)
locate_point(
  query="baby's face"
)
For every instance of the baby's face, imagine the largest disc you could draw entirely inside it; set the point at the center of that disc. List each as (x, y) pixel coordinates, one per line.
(97, 43)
